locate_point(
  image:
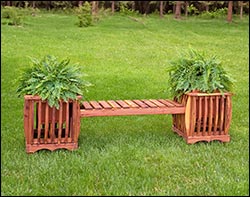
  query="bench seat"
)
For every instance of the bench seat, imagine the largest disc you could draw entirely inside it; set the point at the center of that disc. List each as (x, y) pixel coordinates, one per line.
(130, 107)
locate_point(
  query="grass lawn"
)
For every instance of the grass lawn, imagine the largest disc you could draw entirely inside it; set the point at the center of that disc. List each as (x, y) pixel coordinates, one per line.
(130, 155)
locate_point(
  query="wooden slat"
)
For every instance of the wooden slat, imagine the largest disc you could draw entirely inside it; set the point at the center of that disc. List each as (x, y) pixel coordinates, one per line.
(131, 104)
(228, 113)
(140, 104)
(52, 127)
(67, 122)
(174, 103)
(95, 105)
(123, 104)
(216, 114)
(222, 115)
(193, 116)
(60, 123)
(39, 120)
(199, 116)
(150, 104)
(210, 116)
(166, 102)
(159, 104)
(205, 116)
(31, 119)
(46, 122)
(86, 105)
(114, 104)
(104, 104)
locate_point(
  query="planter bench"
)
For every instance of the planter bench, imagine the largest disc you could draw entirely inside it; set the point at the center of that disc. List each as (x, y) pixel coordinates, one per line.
(198, 117)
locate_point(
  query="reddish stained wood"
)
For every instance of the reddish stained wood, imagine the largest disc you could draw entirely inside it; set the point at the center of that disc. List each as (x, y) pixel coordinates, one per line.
(216, 114)
(123, 104)
(95, 105)
(114, 104)
(210, 116)
(67, 122)
(140, 103)
(104, 104)
(150, 104)
(222, 115)
(131, 104)
(60, 123)
(228, 111)
(86, 105)
(75, 122)
(166, 102)
(174, 103)
(39, 121)
(132, 111)
(52, 126)
(205, 117)
(46, 122)
(199, 116)
(193, 116)
(159, 104)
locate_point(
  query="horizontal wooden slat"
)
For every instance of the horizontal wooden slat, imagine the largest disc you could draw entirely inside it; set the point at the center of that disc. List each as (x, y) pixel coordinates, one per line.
(150, 104)
(123, 104)
(105, 105)
(114, 104)
(159, 104)
(131, 104)
(95, 104)
(174, 103)
(140, 103)
(86, 105)
(165, 102)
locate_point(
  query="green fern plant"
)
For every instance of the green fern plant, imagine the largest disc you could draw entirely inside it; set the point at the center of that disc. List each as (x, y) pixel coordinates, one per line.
(195, 71)
(52, 80)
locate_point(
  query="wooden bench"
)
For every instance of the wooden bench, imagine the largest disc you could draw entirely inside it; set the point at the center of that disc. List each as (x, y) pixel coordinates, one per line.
(130, 107)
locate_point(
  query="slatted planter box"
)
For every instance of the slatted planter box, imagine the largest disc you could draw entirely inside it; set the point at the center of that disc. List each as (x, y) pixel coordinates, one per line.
(207, 117)
(49, 128)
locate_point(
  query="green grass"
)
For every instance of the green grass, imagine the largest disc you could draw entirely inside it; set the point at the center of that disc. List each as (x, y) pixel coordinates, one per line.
(134, 155)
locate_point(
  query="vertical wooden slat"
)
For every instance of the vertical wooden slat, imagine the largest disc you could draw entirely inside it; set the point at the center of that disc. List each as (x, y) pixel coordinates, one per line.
(27, 121)
(188, 116)
(67, 122)
(74, 121)
(222, 111)
(32, 121)
(205, 116)
(228, 114)
(52, 126)
(193, 116)
(60, 123)
(46, 122)
(210, 116)
(199, 115)
(39, 120)
(78, 120)
(216, 114)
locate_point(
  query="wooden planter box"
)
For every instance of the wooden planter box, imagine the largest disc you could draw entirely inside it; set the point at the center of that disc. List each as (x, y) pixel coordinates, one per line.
(207, 117)
(49, 128)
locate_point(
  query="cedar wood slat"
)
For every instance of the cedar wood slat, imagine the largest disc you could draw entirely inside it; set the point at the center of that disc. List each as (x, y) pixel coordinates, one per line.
(123, 104)
(131, 103)
(95, 104)
(150, 104)
(86, 105)
(159, 104)
(114, 104)
(166, 102)
(140, 103)
(104, 104)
